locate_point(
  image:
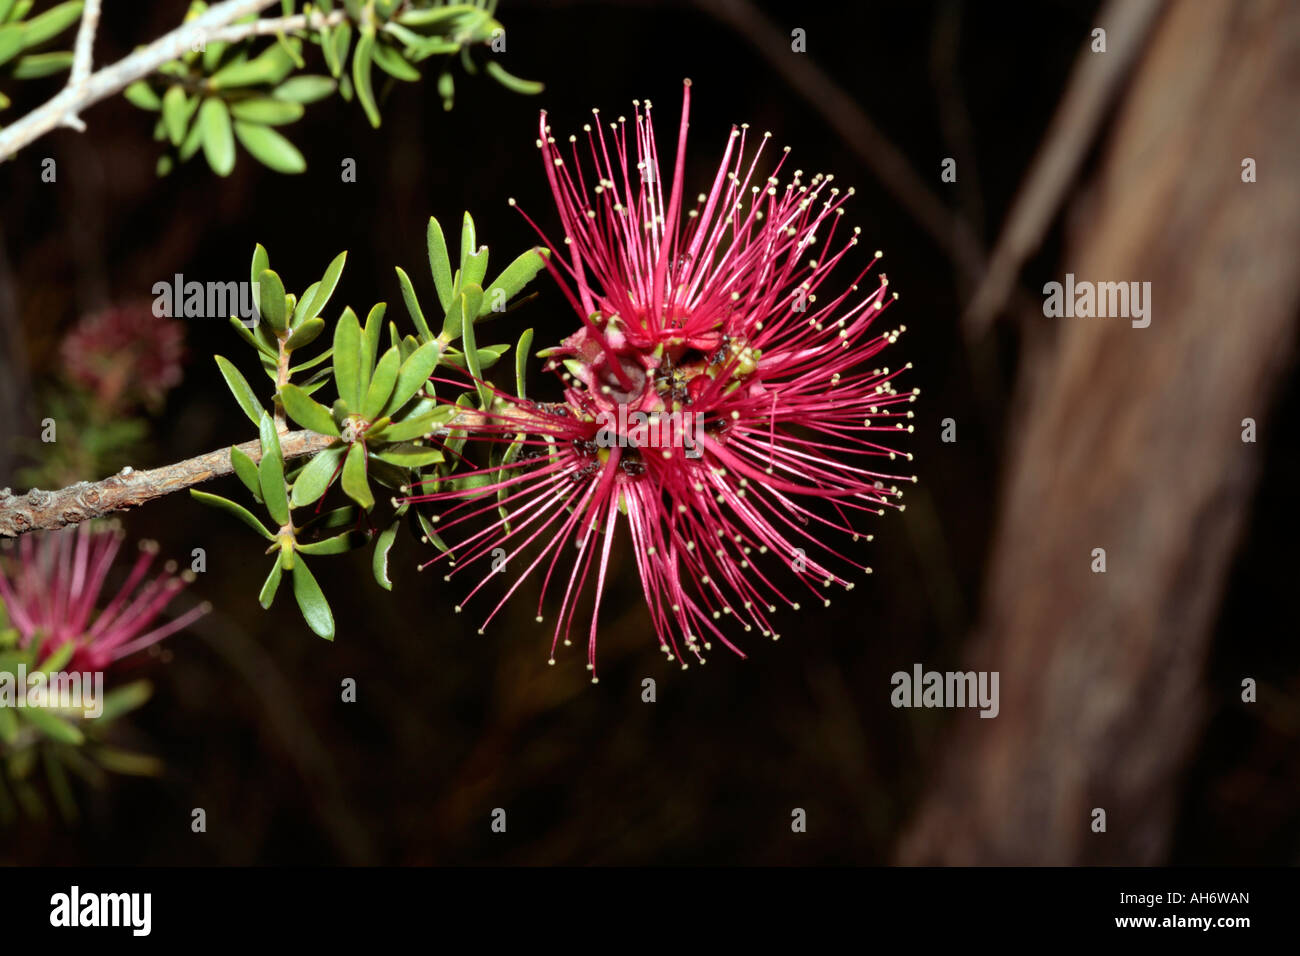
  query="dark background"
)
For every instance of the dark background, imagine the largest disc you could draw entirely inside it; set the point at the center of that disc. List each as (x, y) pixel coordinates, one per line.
(448, 724)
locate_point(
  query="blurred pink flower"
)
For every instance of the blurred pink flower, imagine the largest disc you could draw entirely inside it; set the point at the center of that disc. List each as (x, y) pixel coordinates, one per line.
(52, 584)
(125, 355)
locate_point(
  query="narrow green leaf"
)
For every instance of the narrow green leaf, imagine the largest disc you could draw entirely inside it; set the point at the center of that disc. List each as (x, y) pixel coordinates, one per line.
(325, 288)
(304, 334)
(240, 388)
(311, 601)
(230, 507)
(439, 263)
(266, 111)
(361, 75)
(408, 455)
(512, 82)
(122, 700)
(270, 148)
(218, 137)
(316, 476)
(379, 562)
(270, 472)
(513, 279)
(261, 261)
(416, 427)
(468, 242)
(128, 763)
(381, 385)
(176, 113)
(51, 23)
(246, 469)
(304, 89)
(413, 304)
(412, 375)
(339, 544)
(521, 361)
(355, 485)
(272, 584)
(141, 94)
(53, 726)
(370, 335)
(271, 300)
(347, 359)
(394, 64)
(307, 412)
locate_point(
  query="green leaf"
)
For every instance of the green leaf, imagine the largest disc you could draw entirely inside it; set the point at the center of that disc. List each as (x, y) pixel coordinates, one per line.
(340, 44)
(470, 300)
(11, 42)
(270, 67)
(266, 111)
(521, 361)
(316, 476)
(218, 138)
(177, 111)
(304, 334)
(126, 762)
(416, 427)
(439, 263)
(271, 300)
(261, 262)
(304, 89)
(468, 244)
(379, 562)
(53, 726)
(381, 385)
(513, 279)
(230, 507)
(311, 601)
(512, 82)
(325, 288)
(347, 359)
(270, 148)
(141, 94)
(394, 64)
(271, 585)
(270, 472)
(123, 700)
(361, 75)
(412, 375)
(413, 304)
(246, 469)
(51, 23)
(339, 544)
(355, 485)
(371, 333)
(307, 412)
(240, 388)
(409, 455)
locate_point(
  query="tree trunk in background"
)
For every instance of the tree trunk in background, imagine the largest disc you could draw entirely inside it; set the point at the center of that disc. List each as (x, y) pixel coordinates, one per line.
(1131, 441)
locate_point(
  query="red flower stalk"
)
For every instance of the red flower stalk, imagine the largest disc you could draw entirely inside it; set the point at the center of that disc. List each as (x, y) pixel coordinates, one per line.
(710, 398)
(53, 587)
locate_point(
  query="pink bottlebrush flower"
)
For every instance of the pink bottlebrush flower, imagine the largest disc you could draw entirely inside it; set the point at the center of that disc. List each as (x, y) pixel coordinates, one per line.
(52, 582)
(125, 354)
(712, 399)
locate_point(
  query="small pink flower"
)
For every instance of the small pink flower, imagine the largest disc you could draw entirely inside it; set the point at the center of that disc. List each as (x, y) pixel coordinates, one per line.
(52, 584)
(717, 397)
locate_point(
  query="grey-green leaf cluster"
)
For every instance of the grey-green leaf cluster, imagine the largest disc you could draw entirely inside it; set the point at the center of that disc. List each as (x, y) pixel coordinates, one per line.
(371, 393)
(240, 95)
(21, 34)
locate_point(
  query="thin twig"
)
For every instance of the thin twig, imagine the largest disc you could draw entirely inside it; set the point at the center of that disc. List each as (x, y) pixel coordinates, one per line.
(83, 55)
(66, 107)
(1095, 81)
(42, 510)
(270, 27)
